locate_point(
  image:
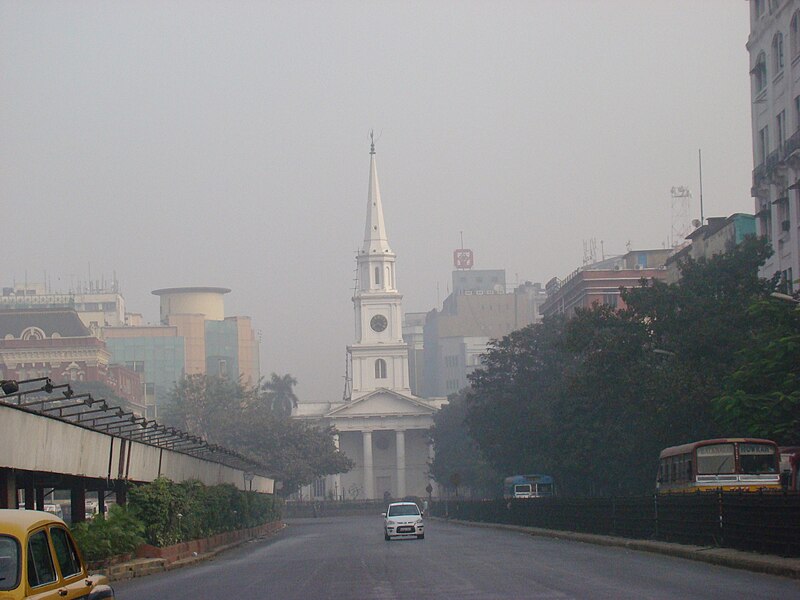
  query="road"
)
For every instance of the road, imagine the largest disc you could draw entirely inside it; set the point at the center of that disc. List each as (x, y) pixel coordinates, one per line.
(342, 558)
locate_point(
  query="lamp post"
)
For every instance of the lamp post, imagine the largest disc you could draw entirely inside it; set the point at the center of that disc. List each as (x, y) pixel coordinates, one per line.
(11, 386)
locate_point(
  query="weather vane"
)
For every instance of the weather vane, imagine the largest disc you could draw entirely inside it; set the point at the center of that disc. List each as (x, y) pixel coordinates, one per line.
(371, 141)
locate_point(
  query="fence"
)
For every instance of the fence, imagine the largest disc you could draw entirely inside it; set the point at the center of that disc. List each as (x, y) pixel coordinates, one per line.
(747, 521)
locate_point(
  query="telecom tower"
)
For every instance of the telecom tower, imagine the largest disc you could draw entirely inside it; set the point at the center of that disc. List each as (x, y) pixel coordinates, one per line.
(681, 209)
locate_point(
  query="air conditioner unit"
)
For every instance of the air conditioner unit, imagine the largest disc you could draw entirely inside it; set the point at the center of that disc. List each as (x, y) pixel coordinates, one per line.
(638, 267)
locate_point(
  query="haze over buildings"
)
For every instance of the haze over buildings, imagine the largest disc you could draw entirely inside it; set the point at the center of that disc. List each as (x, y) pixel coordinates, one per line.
(209, 143)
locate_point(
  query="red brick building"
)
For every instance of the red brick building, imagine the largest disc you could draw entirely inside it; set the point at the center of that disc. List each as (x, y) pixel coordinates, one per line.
(55, 343)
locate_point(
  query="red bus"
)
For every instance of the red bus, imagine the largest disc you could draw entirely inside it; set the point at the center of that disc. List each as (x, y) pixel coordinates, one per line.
(728, 464)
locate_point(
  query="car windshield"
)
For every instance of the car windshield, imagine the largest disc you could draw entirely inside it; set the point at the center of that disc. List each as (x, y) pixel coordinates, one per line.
(9, 563)
(403, 510)
(757, 458)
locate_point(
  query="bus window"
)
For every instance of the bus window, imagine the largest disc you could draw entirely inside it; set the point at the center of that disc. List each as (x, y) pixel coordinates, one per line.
(757, 458)
(715, 459)
(688, 468)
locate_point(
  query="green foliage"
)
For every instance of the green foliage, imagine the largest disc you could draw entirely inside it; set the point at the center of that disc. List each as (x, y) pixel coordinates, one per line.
(457, 454)
(255, 421)
(170, 513)
(761, 398)
(105, 536)
(593, 399)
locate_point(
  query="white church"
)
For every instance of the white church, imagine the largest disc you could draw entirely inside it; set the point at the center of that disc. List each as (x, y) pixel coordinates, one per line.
(382, 427)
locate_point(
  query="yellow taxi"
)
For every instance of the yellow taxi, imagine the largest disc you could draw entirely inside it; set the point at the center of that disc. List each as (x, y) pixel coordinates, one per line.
(39, 560)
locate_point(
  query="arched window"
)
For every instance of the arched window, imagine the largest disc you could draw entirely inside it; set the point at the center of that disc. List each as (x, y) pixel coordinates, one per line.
(794, 35)
(380, 369)
(377, 275)
(32, 333)
(777, 52)
(760, 73)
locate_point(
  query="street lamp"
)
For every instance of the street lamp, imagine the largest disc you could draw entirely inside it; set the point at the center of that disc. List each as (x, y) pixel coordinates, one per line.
(11, 386)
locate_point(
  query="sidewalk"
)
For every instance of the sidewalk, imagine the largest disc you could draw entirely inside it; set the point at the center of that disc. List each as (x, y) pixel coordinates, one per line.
(726, 557)
(141, 567)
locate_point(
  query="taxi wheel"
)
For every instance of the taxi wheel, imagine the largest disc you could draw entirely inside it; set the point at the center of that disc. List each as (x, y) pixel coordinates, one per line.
(386, 537)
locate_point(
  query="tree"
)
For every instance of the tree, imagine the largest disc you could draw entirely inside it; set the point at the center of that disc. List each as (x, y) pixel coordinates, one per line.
(457, 453)
(253, 421)
(761, 398)
(510, 404)
(279, 393)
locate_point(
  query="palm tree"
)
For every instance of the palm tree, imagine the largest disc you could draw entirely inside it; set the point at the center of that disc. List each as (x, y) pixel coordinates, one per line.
(279, 393)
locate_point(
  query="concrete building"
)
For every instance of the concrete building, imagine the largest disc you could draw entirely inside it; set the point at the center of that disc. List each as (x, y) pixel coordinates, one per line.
(717, 236)
(413, 336)
(195, 337)
(98, 304)
(774, 48)
(479, 310)
(601, 281)
(382, 426)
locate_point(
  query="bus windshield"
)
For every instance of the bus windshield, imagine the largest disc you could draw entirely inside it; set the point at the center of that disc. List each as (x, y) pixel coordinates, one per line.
(757, 458)
(715, 459)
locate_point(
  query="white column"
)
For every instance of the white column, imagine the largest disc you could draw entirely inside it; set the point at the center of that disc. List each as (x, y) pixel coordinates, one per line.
(369, 475)
(337, 479)
(400, 444)
(431, 456)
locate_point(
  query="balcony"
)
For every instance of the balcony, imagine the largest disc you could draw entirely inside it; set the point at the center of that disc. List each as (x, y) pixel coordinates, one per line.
(792, 146)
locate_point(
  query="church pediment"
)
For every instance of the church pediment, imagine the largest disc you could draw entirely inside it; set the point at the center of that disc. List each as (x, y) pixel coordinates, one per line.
(383, 402)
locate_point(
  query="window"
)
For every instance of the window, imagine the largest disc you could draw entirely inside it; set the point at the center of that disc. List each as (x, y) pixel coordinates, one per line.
(758, 6)
(9, 563)
(763, 145)
(67, 556)
(715, 459)
(223, 367)
(318, 486)
(377, 275)
(40, 563)
(380, 369)
(794, 35)
(757, 458)
(777, 52)
(780, 123)
(760, 73)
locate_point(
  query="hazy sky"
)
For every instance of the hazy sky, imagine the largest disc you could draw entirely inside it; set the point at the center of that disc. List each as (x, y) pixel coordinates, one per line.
(226, 144)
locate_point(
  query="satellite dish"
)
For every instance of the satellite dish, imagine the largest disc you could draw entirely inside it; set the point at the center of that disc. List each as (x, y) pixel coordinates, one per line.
(696, 223)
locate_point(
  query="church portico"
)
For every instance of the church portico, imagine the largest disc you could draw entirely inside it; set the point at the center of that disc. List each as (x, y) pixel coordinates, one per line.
(381, 425)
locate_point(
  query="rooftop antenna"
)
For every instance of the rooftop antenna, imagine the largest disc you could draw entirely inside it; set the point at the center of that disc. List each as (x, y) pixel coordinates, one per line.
(700, 161)
(681, 200)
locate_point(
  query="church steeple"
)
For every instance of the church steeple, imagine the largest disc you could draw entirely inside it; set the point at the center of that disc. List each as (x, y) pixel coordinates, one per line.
(375, 239)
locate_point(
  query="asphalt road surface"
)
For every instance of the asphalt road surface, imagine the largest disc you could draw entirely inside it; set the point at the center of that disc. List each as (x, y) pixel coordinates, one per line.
(347, 557)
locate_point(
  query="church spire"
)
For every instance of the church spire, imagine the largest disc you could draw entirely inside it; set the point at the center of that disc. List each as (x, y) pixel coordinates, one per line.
(375, 240)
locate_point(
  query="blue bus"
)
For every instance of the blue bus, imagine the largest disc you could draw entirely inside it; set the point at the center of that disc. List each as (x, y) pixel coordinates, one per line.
(528, 486)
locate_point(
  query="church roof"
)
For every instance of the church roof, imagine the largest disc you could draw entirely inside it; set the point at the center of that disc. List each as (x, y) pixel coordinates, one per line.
(383, 402)
(375, 239)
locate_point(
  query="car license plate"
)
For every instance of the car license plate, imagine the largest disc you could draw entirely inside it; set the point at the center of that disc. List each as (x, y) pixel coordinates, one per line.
(405, 530)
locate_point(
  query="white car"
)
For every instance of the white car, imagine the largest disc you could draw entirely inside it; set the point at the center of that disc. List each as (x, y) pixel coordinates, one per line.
(403, 519)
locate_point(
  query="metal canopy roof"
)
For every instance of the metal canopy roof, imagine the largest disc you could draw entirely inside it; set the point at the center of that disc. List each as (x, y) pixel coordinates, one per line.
(95, 414)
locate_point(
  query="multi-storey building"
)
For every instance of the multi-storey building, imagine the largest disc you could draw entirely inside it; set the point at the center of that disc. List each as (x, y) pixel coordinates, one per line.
(774, 48)
(98, 304)
(479, 310)
(600, 282)
(55, 343)
(717, 236)
(413, 336)
(195, 337)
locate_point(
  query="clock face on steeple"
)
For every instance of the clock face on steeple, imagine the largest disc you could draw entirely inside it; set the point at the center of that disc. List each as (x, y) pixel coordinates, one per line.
(378, 323)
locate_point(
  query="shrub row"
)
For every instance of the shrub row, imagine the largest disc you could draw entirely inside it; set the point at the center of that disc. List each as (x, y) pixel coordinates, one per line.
(163, 513)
